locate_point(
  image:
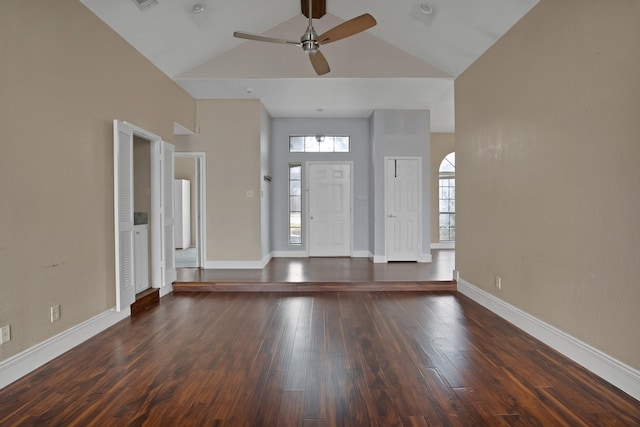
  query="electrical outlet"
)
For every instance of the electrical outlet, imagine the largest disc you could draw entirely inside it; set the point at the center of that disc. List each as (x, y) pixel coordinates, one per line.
(498, 282)
(55, 313)
(5, 336)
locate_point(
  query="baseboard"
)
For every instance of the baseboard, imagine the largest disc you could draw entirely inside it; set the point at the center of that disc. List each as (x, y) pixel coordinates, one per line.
(29, 360)
(425, 258)
(617, 373)
(443, 245)
(266, 259)
(381, 259)
(360, 254)
(290, 254)
(305, 254)
(166, 290)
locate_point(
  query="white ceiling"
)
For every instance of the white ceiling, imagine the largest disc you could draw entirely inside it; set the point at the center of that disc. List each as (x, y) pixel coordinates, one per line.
(408, 61)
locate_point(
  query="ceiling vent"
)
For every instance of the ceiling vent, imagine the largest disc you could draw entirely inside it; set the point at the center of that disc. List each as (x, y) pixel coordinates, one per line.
(144, 4)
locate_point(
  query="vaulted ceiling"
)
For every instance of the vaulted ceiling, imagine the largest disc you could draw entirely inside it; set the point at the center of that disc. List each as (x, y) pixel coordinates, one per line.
(408, 60)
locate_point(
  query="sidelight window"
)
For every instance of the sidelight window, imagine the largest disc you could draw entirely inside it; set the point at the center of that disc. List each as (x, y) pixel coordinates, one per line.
(447, 198)
(295, 204)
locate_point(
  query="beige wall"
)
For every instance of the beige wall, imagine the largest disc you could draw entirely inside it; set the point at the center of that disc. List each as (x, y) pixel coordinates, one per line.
(64, 77)
(547, 148)
(230, 137)
(441, 145)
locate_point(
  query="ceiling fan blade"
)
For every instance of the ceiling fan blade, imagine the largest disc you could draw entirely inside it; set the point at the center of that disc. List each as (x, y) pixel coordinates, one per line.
(249, 36)
(319, 63)
(348, 28)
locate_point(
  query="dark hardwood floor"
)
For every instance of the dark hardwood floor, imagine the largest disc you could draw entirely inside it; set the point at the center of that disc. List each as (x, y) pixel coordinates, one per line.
(321, 359)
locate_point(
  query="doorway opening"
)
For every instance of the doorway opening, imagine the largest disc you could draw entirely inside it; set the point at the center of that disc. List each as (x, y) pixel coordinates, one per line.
(142, 213)
(447, 200)
(190, 205)
(159, 218)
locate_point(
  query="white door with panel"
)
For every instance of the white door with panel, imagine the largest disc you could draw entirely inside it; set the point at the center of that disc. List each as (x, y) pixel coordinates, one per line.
(402, 208)
(329, 201)
(123, 213)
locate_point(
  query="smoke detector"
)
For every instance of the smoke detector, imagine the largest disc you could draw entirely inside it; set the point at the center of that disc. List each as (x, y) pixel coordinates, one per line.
(144, 4)
(426, 9)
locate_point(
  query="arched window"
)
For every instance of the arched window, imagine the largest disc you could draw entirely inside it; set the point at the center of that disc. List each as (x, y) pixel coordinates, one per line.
(447, 198)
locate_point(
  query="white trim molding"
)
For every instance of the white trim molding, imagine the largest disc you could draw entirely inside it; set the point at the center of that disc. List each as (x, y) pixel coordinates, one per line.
(305, 254)
(166, 290)
(379, 259)
(360, 254)
(267, 258)
(425, 258)
(240, 265)
(617, 373)
(290, 254)
(443, 245)
(32, 358)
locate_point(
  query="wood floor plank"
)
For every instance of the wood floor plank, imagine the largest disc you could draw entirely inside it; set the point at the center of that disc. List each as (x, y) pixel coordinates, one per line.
(323, 359)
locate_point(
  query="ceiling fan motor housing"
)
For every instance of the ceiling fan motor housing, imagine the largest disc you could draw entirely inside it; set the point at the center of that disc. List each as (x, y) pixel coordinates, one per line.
(309, 41)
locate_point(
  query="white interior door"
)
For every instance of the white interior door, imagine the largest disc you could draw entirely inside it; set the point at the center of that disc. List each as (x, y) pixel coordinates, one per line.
(123, 205)
(329, 195)
(402, 206)
(168, 214)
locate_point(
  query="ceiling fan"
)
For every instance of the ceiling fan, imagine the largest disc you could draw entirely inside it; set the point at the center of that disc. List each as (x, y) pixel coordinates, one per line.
(311, 41)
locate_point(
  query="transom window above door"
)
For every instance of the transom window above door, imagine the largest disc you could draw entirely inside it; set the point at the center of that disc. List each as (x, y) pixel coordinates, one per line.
(319, 144)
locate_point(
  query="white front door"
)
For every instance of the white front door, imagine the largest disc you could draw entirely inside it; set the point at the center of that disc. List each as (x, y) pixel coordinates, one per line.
(123, 210)
(329, 195)
(402, 207)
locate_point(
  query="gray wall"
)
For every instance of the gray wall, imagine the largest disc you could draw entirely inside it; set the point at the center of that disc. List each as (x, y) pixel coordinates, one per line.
(280, 157)
(400, 133)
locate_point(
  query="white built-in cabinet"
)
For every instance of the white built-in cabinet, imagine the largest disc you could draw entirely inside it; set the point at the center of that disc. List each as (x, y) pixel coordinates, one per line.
(183, 213)
(141, 257)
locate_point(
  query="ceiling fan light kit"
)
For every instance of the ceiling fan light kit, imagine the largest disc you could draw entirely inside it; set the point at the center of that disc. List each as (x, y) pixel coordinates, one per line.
(311, 41)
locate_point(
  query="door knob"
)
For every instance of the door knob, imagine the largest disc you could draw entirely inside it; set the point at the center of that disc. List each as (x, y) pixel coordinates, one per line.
(392, 216)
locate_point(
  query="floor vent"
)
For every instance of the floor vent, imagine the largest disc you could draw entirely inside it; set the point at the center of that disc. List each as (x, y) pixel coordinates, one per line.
(144, 4)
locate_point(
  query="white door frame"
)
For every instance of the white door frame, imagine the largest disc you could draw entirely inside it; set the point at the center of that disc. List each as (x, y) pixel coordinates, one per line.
(305, 179)
(386, 203)
(201, 202)
(157, 265)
